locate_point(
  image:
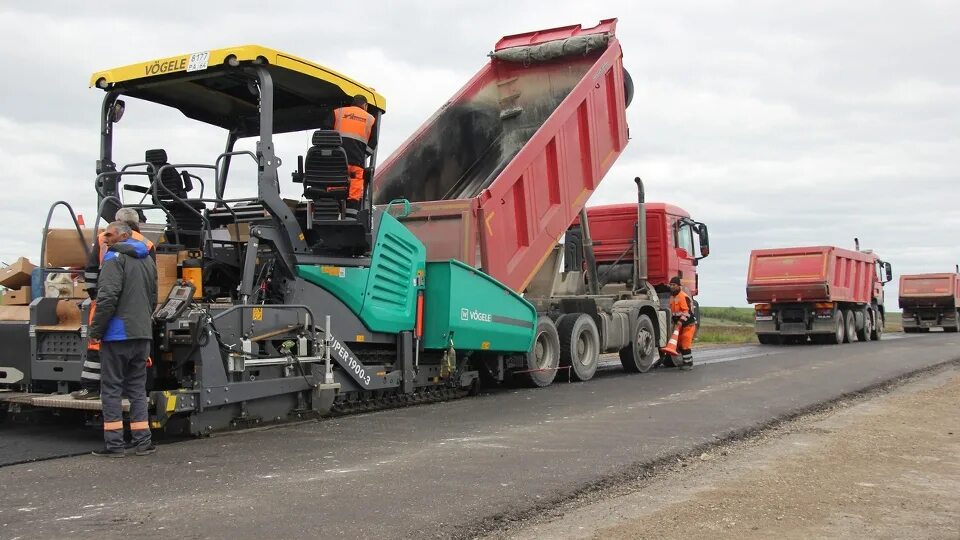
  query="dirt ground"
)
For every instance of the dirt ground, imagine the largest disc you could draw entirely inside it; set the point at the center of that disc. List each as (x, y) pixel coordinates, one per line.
(885, 467)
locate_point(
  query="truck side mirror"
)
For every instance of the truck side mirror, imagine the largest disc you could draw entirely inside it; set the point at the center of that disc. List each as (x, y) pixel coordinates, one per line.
(704, 240)
(888, 270)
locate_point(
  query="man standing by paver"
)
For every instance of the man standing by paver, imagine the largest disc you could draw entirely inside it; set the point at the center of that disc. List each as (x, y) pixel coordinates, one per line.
(90, 375)
(126, 298)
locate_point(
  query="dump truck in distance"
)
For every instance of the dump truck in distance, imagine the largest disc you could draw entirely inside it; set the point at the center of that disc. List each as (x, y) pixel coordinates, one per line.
(930, 301)
(828, 294)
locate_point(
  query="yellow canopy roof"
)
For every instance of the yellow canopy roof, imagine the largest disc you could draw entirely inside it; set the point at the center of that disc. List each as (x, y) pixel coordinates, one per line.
(210, 86)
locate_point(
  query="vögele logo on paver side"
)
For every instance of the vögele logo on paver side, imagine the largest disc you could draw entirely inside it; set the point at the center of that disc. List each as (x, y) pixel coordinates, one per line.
(467, 314)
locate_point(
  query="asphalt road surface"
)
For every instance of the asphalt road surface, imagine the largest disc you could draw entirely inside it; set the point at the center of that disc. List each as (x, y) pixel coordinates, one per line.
(448, 469)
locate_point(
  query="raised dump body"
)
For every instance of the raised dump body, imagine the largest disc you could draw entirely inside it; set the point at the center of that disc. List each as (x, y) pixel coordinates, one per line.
(829, 293)
(930, 301)
(498, 173)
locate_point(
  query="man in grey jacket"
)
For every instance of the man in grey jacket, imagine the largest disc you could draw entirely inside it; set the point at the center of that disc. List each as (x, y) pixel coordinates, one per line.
(126, 297)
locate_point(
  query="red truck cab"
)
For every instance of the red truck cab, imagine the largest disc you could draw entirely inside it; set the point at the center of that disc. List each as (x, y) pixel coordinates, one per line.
(674, 240)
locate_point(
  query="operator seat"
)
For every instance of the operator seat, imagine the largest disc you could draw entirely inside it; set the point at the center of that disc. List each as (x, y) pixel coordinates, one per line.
(182, 212)
(325, 179)
(326, 185)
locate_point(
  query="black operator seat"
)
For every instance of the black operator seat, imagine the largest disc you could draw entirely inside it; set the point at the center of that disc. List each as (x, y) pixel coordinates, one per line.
(182, 213)
(324, 175)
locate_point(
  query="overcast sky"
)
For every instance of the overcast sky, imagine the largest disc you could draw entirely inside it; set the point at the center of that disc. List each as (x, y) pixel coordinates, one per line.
(777, 123)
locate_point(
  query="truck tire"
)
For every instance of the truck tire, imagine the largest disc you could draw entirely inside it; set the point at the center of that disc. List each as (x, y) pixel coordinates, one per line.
(627, 89)
(956, 324)
(839, 331)
(579, 345)
(769, 339)
(863, 334)
(850, 331)
(544, 358)
(877, 329)
(696, 318)
(640, 355)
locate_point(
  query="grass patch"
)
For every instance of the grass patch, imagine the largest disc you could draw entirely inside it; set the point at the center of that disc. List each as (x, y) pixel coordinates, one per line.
(726, 333)
(893, 322)
(740, 315)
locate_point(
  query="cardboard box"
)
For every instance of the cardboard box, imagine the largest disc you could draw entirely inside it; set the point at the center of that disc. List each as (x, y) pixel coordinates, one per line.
(16, 297)
(243, 228)
(79, 290)
(14, 313)
(65, 249)
(167, 273)
(17, 274)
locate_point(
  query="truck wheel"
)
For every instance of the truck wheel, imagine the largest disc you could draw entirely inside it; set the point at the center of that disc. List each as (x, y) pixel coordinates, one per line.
(627, 89)
(579, 345)
(851, 326)
(956, 324)
(640, 355)
(839, 331)
(863, 334)
(544, 358)
(877, 330)
(696, 317)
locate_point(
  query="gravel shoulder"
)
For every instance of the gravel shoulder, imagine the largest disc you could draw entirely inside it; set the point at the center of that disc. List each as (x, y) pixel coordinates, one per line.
(884, 467)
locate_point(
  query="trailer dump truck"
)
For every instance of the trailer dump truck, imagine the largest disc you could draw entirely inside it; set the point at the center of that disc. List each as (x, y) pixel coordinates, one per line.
(448, 275)
(828, 294)
(498, 174)
(930, 301)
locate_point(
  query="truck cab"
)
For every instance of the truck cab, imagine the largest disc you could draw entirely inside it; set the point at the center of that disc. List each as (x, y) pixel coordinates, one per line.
(675, 244)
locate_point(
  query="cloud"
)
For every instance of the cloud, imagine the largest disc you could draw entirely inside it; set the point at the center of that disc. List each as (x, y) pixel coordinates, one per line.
(776, 123)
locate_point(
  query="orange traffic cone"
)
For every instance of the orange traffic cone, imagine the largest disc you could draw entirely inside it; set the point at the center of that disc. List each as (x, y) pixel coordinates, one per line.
(671, 347)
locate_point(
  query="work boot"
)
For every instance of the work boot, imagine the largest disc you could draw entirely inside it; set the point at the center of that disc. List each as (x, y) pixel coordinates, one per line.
(146, 450)
(109, 453)
(86, 394)
(686, 366)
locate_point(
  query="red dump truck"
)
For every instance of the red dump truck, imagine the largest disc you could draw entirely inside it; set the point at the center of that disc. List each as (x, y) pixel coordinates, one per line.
(828, 294)
(930, 301)
(498, 174)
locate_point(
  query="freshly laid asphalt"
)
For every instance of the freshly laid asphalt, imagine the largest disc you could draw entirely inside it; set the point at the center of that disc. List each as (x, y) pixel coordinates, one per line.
(443, 469)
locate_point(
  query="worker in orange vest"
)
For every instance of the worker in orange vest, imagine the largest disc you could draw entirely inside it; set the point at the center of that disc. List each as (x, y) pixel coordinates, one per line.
(681, 307)
(355, 126)
(90, 372)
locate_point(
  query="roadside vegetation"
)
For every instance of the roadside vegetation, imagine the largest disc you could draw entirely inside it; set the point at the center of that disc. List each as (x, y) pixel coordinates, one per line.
(735, 325)
(726, 325)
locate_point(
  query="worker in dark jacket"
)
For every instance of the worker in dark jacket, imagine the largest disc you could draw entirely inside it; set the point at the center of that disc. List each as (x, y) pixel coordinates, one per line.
(681, 308)
(123, 323)
(355, 126)
(90, 375)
